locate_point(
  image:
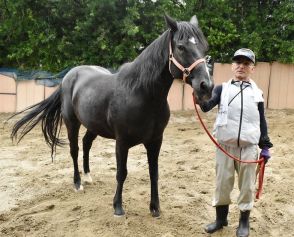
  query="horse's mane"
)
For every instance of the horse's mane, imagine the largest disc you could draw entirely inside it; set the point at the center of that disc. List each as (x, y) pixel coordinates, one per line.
(148, 66)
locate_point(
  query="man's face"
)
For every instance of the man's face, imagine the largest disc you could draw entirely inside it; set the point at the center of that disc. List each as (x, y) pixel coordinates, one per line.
(242, 68)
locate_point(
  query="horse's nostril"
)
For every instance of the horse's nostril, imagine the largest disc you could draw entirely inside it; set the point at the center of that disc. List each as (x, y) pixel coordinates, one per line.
(203, 85)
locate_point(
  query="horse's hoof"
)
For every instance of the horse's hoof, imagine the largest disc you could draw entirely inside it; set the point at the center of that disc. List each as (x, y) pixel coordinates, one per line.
(155, 213)
(78, 188)
(118, 216)
(87, 178)
(119, 213)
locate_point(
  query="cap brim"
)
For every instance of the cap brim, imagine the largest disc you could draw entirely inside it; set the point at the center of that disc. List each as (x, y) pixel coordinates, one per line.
(241, 56)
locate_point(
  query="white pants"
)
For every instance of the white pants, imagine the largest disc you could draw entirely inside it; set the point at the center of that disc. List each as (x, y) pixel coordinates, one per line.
(225, 176)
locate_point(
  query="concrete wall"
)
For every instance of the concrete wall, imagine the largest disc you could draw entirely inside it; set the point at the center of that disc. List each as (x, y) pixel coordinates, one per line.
(7, 94)
(28, 93)
(281, 87)
(276, 80)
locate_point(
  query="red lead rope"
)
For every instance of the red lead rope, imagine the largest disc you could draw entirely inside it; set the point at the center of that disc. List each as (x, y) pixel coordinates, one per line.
(261, 163)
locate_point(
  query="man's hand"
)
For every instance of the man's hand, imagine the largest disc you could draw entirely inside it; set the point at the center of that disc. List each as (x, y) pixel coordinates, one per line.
(265, 153)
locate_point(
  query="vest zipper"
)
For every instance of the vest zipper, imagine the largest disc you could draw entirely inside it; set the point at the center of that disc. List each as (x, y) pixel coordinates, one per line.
(241, 114)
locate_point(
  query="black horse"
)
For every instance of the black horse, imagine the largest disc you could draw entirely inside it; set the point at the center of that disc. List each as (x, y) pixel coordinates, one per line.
(129, 106)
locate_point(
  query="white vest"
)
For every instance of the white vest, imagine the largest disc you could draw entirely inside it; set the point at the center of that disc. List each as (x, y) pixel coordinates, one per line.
(238, 123)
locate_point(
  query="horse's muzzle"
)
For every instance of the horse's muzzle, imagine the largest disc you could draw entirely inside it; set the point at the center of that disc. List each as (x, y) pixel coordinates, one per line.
(204, 91)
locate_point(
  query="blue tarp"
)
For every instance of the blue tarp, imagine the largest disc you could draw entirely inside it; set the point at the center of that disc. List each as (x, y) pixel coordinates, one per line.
(42, 77)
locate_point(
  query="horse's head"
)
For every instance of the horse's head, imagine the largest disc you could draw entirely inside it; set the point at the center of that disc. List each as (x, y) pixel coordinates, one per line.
(187, 56)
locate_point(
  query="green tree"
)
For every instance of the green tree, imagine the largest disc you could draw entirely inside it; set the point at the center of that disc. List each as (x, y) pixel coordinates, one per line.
(55, 34)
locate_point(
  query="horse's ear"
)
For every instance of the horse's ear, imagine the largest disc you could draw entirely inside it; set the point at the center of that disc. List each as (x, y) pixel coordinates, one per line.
(171, 23)
(194, 20)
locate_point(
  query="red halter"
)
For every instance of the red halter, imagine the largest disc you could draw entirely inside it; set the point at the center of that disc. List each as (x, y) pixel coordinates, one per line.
(186, 71)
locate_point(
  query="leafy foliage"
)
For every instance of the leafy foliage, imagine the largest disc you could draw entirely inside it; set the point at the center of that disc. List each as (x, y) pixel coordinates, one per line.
(55, 34)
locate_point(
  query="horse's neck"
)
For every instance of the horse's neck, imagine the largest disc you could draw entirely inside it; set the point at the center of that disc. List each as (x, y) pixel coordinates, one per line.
(165, 81)
(152, 67)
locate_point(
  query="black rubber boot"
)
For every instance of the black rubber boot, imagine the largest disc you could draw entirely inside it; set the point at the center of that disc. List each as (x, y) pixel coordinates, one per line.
(221, 219)
(243, 229)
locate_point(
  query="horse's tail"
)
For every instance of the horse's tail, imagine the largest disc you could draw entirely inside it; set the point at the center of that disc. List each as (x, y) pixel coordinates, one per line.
(49, 112)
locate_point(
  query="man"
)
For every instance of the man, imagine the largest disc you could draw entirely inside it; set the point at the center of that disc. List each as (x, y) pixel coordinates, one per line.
(240, 127)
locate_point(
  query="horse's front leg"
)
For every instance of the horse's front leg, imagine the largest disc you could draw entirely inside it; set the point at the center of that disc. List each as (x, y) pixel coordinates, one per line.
(153, 149)
(121, 150)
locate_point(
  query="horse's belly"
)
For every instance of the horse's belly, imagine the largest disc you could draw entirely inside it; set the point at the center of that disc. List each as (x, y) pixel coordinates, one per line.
(141, 129)
(100, 128)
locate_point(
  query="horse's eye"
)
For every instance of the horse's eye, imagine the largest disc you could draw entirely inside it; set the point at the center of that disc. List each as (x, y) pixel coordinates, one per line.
(181, 47)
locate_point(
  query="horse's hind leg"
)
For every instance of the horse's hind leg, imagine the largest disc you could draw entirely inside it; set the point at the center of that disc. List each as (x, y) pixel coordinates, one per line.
(73, 127)
(153, 149)
(87, 144)
(121, 150)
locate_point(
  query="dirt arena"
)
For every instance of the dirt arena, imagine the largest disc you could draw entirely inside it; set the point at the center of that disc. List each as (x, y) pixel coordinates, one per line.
(37, 196)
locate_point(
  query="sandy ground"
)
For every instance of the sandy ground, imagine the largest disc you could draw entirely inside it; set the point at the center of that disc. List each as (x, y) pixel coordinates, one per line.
(37, 196)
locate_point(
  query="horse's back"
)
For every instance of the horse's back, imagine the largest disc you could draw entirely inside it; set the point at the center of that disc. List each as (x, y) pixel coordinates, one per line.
(99, 69)
(85, 71)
